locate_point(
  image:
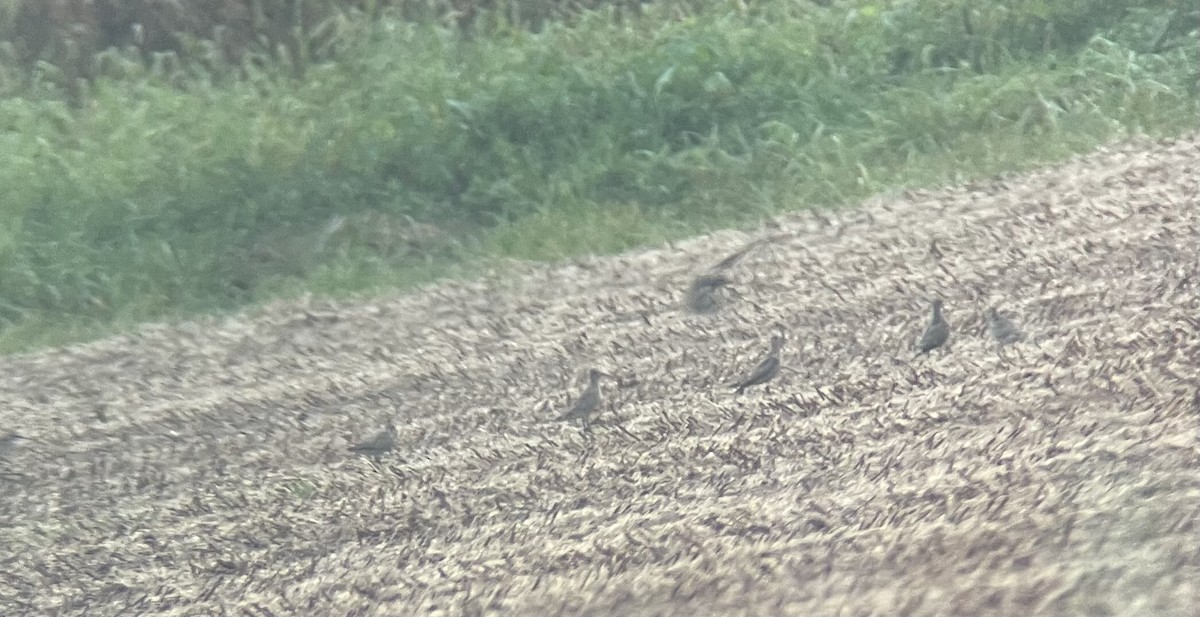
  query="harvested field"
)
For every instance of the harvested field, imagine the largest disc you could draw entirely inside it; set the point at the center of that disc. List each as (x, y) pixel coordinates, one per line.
(202, 469)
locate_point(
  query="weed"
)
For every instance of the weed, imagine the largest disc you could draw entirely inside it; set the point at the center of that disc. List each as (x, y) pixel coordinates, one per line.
(416, 152)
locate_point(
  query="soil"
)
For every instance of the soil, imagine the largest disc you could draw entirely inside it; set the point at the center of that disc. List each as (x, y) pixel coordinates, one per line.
(203, 468)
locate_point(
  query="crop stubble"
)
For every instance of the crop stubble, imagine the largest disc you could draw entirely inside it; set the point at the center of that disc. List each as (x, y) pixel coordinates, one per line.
(201, 467)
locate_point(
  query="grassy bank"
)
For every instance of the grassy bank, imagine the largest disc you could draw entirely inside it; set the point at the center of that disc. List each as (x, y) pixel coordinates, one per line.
(419, 152)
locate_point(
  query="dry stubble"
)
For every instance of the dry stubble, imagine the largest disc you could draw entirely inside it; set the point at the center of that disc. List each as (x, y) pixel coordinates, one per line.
(197, 467)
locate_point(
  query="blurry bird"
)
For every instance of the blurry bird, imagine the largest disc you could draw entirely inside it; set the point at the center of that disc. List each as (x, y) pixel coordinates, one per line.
(701, 294)
(937, 333)
(1003, 329)
(8, 442)
(732, 260)
(766, 370)
(935, 252)
(587, 402)
(382, 443)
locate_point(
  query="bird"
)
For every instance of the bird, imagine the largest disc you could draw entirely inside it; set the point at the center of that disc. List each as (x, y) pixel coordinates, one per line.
(737, 256)
(8, 442)
(587, 402)
(701, 296)
(1003, 329)
(382, 443)
(767, 368)
(937, 333)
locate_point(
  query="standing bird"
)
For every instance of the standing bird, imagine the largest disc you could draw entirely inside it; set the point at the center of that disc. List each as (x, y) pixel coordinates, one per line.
(1003, 329)
(937, 333)
(587, 402)
(701, 294)
(766, 370)
(382, 443)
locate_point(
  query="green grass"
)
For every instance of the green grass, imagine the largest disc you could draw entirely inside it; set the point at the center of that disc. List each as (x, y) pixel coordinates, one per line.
(419, 153)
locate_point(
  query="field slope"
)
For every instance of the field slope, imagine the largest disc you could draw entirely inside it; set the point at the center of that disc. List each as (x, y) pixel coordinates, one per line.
(202, 468)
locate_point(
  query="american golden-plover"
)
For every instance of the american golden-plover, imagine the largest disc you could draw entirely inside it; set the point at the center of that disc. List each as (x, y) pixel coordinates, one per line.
(382, 443)
(701, 295)
(767, 368)
(737, 256)
(937, 333)
(587, 402)
(1002, 329)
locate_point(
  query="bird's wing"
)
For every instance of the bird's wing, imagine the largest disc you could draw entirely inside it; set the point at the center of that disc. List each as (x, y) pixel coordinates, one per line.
(701, 300)
(764, 371)
(380, 441)
(582, 406)
(1008, 331)
(732, 260)
(934, 335)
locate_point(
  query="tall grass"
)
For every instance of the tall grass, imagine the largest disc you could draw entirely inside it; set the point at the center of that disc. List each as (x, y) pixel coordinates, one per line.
(419, 152)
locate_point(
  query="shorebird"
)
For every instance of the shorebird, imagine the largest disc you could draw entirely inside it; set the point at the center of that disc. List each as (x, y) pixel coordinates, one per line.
(767, 368)
(937, 333)
(1003, 329)
(701, 296)
(587, 402)
(732, 259)
(382, 443)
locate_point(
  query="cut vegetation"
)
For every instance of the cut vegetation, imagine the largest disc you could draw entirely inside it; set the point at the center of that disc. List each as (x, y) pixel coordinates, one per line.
(397, 454)
(207, 468)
